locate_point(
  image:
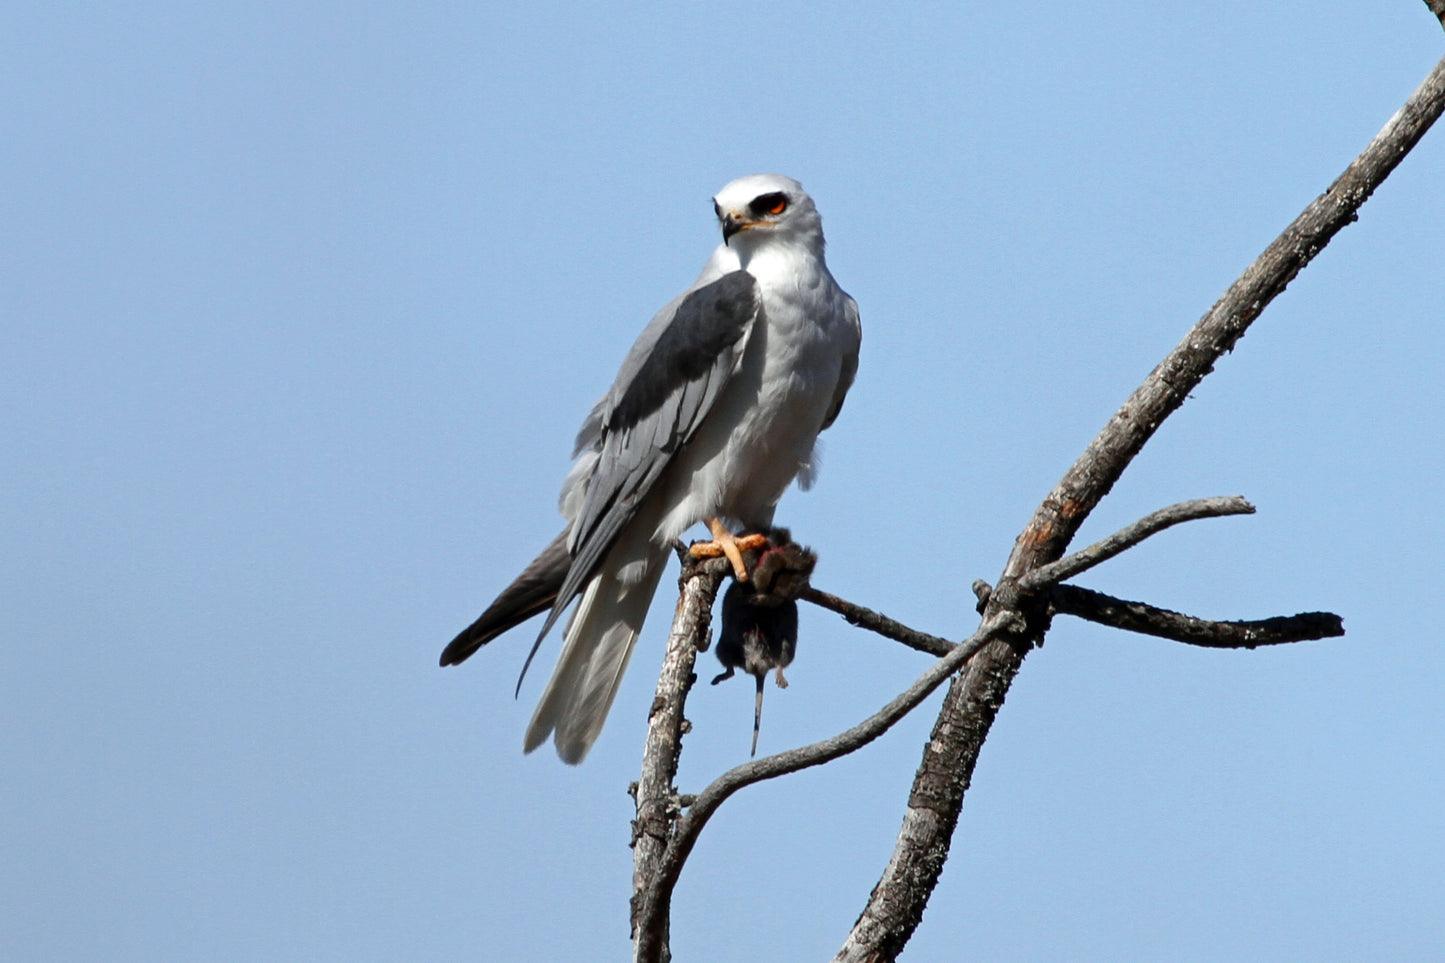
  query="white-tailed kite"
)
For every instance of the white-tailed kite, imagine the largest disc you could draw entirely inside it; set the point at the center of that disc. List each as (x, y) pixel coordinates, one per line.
(715, 411)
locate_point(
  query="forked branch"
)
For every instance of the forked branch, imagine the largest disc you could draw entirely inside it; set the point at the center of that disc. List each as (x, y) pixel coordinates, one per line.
(1015, 616)
(1128, 537)
(896, 905)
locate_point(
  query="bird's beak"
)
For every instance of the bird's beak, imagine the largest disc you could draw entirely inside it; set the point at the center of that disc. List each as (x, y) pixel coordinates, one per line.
(732, 224)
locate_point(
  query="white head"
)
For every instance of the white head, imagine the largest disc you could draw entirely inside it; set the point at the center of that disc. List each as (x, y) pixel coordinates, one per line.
(767, 208)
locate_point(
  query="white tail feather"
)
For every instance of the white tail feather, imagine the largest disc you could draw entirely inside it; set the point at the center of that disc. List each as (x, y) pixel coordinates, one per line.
(599, 640)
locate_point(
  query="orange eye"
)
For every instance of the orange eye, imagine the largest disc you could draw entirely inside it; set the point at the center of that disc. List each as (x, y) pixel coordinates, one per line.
(773, 204)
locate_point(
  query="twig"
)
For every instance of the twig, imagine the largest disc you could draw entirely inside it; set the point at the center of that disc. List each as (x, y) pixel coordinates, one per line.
(1138, 617)
(1129, 536)
(877, 622)
(896, 904)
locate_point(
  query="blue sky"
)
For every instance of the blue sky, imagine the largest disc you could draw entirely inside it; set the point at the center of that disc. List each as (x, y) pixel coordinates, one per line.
(301, 305)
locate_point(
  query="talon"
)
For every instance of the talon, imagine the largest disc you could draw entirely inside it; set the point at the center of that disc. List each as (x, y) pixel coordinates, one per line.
(782, 683)
(724, 543)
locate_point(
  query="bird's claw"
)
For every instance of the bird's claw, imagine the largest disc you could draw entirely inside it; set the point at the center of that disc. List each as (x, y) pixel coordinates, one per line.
(725, 543)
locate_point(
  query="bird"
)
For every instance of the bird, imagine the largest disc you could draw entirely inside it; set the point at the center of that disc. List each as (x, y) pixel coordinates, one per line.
(715, 411)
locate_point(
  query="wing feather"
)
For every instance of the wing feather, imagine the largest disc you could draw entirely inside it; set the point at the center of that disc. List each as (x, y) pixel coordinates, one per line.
(669, 382)
(850, 367)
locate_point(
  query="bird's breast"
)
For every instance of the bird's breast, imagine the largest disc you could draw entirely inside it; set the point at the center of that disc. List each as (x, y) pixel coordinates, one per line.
(777, 403)
(763, 426)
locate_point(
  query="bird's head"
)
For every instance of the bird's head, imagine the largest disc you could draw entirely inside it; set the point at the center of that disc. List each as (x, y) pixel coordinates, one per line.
(765, 208)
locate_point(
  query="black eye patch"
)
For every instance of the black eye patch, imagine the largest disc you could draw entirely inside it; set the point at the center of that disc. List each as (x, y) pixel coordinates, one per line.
(774, 204)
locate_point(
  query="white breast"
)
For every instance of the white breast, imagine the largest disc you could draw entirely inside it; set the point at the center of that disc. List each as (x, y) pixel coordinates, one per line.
(762, 430)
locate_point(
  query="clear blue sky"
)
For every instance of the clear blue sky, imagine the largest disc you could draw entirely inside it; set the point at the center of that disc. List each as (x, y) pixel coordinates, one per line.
(301, 305)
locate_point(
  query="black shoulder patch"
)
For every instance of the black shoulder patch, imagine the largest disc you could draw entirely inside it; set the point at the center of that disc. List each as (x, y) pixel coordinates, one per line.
(707, 322)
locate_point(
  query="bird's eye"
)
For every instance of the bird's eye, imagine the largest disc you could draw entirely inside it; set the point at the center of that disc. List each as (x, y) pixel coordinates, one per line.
(774, 204)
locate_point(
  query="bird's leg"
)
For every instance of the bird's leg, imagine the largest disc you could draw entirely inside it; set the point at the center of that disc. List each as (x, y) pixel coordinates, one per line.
(724, 543)
(782, 683)
(726, 675)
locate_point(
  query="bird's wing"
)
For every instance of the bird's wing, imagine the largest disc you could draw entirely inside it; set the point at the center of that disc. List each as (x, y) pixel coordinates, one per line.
(667, 385)
(850, 364)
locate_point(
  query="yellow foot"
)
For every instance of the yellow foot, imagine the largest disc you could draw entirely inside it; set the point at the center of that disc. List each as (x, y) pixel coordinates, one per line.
(724, 543)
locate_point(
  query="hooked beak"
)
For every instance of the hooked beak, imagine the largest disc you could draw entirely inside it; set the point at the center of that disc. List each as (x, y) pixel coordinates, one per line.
(732, 225)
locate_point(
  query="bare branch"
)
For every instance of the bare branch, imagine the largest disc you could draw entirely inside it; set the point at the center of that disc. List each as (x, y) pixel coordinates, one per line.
(1128, 537)
(1147, 619)
(653, 900)
(896, 904)
(655, 795)
(877, 622)
(1437, 7)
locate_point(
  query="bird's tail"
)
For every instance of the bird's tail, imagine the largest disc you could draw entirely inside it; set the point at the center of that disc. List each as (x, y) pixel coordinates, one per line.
(533, 593)
(594, 656)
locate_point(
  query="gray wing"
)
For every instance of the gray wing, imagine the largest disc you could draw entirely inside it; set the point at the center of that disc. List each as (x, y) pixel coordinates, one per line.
(850, 366)
(667, 385)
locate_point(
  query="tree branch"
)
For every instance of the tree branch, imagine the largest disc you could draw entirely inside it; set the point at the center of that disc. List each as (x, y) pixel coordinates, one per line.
(652, 901)
(877, 622)
(654, 793)
(1147, 619)
(1437, 7)
(663, 836)
(896, 905)
(1128, 537)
